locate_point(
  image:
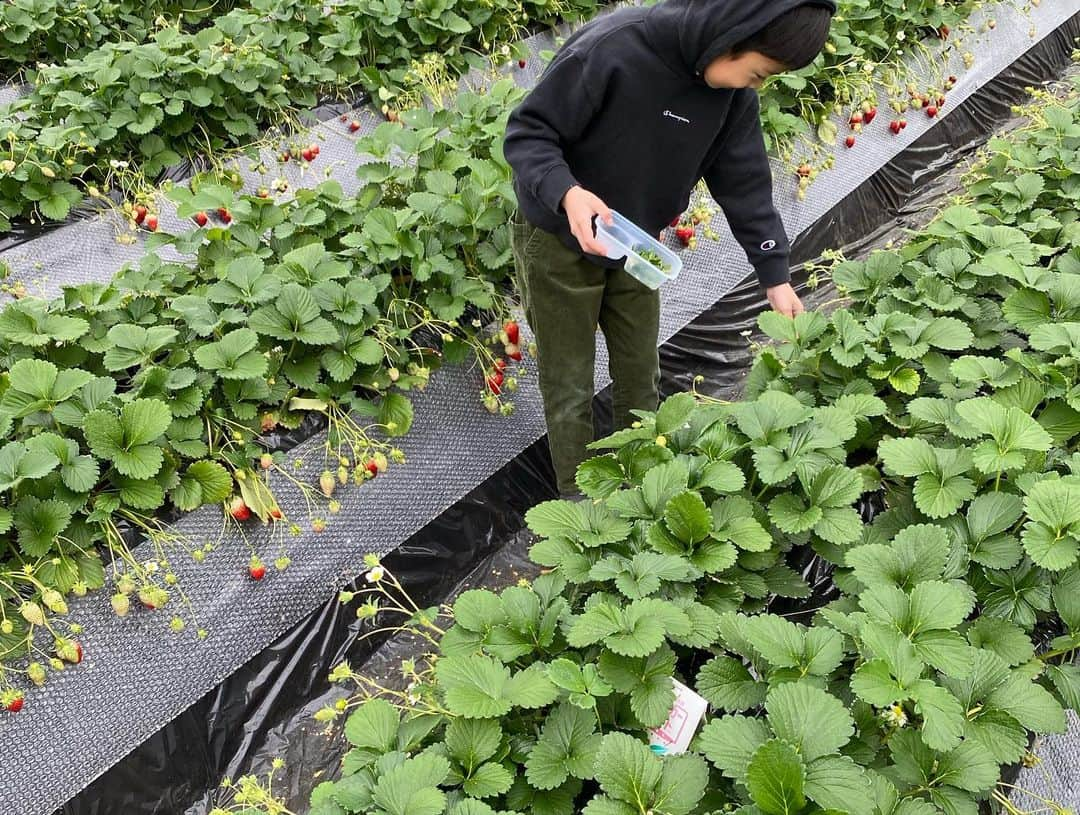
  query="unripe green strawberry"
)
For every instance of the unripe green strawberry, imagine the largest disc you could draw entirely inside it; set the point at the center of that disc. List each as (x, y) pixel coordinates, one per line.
(177, 624)
(327, 483)
(57, 664)
(36, 672)
(126, 584)
(7, 626)
(32, 613)
(147, 596)
(342, 475)
(79, 589)
(266, 461)
(380, 462)
(54, 601)
(121, 604)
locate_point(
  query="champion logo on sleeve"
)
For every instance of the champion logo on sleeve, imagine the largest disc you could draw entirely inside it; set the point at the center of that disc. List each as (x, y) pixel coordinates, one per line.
(767, 245)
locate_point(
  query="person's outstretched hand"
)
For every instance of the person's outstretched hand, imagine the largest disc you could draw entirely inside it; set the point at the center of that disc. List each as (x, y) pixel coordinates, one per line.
(580, 206)
(784, 300)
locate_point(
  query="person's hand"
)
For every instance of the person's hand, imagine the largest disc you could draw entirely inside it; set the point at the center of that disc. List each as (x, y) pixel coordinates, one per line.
(784, 300)
(580, 206)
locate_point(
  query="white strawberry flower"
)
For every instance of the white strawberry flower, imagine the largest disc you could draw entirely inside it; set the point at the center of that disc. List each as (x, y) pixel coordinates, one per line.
(375, 575)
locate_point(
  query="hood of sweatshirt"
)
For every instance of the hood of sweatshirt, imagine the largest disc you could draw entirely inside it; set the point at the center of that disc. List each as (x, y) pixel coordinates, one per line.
(689, 34)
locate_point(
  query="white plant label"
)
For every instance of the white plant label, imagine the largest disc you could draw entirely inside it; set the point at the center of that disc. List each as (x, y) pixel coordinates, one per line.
(675, 734)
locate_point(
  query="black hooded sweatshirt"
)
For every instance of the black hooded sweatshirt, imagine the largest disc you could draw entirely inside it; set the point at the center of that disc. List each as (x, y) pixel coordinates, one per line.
(623, 111)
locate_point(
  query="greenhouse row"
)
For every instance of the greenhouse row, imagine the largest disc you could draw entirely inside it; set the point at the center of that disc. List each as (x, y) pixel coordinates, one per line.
(423, 407)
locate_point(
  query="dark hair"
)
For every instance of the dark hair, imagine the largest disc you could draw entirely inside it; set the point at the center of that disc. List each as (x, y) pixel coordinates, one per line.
(794, 38)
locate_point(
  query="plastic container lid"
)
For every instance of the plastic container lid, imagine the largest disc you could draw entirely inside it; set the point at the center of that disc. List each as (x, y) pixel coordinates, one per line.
(625, 239)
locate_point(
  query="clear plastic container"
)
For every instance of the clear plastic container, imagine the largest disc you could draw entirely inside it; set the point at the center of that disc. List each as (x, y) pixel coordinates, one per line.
(625, 239)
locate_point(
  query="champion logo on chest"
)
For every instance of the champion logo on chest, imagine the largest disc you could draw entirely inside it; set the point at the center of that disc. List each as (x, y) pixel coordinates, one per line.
(671, 115)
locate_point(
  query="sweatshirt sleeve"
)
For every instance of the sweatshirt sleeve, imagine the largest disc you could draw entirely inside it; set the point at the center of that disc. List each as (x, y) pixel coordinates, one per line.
(554, 114)
(740, 181)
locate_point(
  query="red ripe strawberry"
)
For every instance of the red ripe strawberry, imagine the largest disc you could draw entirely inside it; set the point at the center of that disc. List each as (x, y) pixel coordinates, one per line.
(238, 509)
(275, 513)
(500, 365)
(200, 218)
(307, 155)
(372, 468)
(15, 705)
(354, 126)
(286, 155)
(674, 222)
(943, 32)
(953, 80)
(856, 118)
(512, 333)
(314, 148)
(151, 223)
(684, 234)
(941, 101)
(895, 126)
(140, 213)
(903, 123)
(931, 111)
(224, 214)
(869, 116)
(521, 63)
(513, 350)
(850, 141)
(343, 118)
(494, 382)
(257, 570)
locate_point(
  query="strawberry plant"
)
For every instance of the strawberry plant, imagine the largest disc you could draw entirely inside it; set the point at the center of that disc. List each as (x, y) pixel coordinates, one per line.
(152, 101)
(152, 393)
(869, 49)
(52, 31)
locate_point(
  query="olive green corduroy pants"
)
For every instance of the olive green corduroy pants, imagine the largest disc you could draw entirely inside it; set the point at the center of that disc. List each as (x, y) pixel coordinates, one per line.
(566, 298)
